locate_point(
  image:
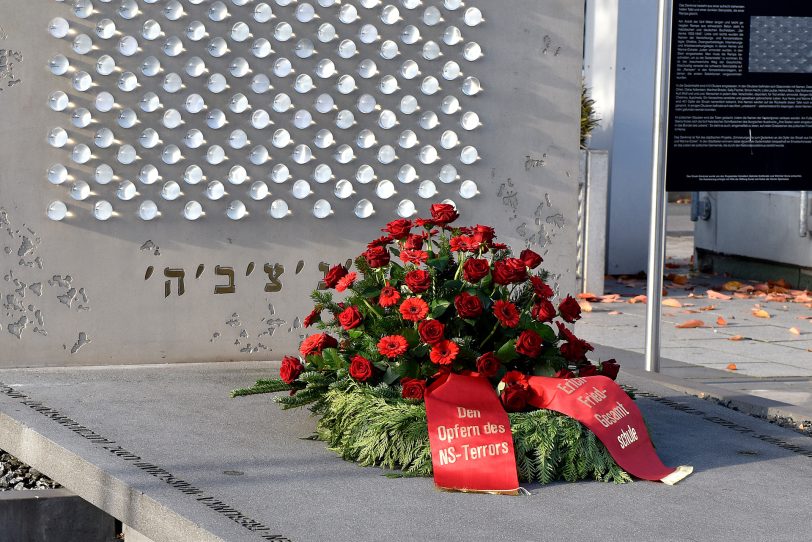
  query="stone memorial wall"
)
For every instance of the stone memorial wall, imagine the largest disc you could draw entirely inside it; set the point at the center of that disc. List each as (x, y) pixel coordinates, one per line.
(175, 176)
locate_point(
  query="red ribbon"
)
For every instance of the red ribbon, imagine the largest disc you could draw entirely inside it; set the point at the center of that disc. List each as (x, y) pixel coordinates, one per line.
(472, 444)
(470, 437)
(601, 405)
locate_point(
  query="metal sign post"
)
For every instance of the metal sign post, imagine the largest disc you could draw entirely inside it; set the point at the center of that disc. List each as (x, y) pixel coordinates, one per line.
(656, 250)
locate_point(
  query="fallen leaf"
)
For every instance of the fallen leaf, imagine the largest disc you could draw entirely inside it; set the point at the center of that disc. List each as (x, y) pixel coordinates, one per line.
(585, 306)
(678, 279)
(611, 298)
(671, 302)
(737, 295)
(588, 296)
(795, 331)
(731, 367)
(721, 322)
(780, 283)
(708, 308)
(736, 338)
(732, 286)
(614, 313)
(713, 294)
(689, 304)
(691, 324)
(803, 298)
(689, 311)
(762, 287)
(638, 299)
(761, 313)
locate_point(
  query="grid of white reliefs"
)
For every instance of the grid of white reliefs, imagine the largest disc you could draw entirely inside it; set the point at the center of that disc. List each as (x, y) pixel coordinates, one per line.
(275, 108)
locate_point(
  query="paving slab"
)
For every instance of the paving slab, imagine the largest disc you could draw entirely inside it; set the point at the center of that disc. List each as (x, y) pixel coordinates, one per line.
(165, 450)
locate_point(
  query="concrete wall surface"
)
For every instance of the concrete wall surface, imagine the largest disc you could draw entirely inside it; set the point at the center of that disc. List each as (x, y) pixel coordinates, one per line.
(266, 118)
(52, 515)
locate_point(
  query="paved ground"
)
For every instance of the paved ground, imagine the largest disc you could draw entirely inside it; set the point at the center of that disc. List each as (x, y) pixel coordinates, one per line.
(754, 339)
(247, 459)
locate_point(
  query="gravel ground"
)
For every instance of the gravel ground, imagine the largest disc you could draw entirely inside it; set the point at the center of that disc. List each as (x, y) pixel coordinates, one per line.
(14, 474)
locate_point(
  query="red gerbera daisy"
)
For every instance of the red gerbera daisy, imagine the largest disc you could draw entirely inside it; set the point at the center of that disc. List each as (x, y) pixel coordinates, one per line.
(414, 256)
(389, 296)
(414, 309)
(444, 352)
(506, 313)
(346, 282)
(392, 346)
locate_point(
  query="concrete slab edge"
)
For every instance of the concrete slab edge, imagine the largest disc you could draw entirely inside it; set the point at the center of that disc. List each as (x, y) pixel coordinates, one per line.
(97, 486)
(749, 404)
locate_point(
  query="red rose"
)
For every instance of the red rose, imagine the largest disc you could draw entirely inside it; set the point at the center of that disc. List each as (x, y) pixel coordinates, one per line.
(418, 281)
(398, 229)
(540, 288)
(351, 318)
(444, 352)
(564, 373)
(517, 391)
(414, 242)
(467, 305)
(431, 331)
(361, 369)
(414, 309)
(376, 257)
(389, 296)
(610, 368)
(488, 364)
(443, 214)
(509, 271)
(380, 242)
(543, 311)
(530, 258)
(392, 346)
(587, 370)
(334, 275)
(575, 350)
(316, 343)
(475, 269)
(506, 313)
(570, 309)
(529, 343)
(346, 281)
(291, 369)
(413, 388)
(414, 256)
(313, 317)
(483, 234)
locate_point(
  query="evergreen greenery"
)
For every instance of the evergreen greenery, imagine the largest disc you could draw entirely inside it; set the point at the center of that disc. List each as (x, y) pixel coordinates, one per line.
(374, 426)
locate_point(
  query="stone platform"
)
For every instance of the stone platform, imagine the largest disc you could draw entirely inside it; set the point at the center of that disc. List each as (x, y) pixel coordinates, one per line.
(165, 450)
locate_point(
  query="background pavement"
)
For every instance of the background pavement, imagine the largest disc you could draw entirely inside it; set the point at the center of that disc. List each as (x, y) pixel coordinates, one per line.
(753, 340)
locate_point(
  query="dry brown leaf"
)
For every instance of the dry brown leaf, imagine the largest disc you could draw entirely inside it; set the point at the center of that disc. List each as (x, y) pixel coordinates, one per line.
(638, 299)
(761, 313)
(731, 367)
(678, 279)
(721, 322)
(737, 295)
(803, 298)
(611, 298)
(588, 296)
(689, 311)
(713, 294)
(795, 331)
(691, 324)
(671, 302)
(762, 287)
(731, 286)
(780, 283)
(585, 305)
(736, 338)
(614, 313)
(708, 308)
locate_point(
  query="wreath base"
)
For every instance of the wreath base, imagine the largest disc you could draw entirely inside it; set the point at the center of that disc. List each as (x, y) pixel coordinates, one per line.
(376, 427)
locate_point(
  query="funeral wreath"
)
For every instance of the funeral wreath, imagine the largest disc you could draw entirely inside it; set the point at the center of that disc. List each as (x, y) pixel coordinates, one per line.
(426, 299)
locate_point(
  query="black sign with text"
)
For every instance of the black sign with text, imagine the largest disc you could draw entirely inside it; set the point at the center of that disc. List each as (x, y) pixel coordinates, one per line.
(740, 100)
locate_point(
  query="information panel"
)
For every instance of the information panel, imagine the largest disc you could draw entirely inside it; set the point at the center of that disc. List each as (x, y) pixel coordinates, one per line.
(740, 103)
